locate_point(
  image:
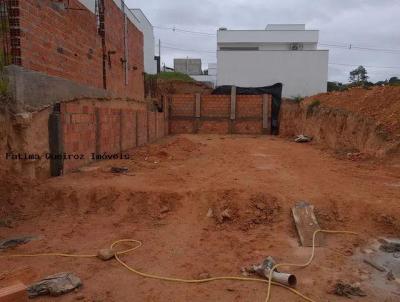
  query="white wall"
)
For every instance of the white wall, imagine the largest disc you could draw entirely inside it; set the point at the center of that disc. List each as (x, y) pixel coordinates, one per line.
(302, 73)
(269, 36)
(150, 65)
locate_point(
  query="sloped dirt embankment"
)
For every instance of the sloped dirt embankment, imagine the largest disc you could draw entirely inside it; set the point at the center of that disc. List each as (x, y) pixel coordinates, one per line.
(338, 128)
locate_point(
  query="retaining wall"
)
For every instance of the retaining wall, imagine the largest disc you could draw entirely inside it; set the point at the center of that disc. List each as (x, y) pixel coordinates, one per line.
(220, 114)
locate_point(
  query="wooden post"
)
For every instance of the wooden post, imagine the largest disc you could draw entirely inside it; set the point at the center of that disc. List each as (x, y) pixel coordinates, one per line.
(267, 113)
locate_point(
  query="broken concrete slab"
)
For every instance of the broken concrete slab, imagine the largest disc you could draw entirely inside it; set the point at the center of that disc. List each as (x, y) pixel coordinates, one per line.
(306, 224)
(55, 285)
(15, 241)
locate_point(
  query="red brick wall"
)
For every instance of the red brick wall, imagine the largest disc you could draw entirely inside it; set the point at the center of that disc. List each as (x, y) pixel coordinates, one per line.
(249, 106)
(142, 131)
(214, 127)
(66, 43)
(215, 112)
(183, 105)
(216, 105)
(91, 126)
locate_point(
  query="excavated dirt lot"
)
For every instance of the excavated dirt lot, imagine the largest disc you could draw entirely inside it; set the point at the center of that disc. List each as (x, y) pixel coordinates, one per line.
(165, 202)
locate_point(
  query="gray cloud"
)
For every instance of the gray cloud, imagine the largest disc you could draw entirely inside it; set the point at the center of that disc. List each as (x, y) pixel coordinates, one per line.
(366, 23)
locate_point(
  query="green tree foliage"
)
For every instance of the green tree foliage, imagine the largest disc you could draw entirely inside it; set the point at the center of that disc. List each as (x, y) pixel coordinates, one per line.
(358, 76)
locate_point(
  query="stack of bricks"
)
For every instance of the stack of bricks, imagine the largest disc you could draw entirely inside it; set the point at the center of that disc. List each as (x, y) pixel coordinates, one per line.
(216, 115)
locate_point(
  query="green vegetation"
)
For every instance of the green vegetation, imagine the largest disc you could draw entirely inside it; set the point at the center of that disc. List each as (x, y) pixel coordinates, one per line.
(358, 78)
(296, 99)
(175, 76)
(359, 75)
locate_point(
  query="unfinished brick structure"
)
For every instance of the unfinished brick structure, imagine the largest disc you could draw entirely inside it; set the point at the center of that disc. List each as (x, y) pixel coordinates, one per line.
(66, 40)
(220, 114)
(92, 127)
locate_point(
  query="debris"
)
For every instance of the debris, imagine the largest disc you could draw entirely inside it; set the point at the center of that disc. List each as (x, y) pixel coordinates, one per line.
(396, 255)
(375, 265)
(55, 285)
(390, 246)
(347, 290)
(306, 223)
(224, 215)
(164, 210)
(15, 241)
(88, 169)
(204, 275)
(210, 213)
(301, 138)
(15, 292)
(119, 170)
(246, 271)
(105, 254)
(390, 276)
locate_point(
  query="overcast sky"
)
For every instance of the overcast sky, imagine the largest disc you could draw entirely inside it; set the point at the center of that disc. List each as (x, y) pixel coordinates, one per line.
(362, 23)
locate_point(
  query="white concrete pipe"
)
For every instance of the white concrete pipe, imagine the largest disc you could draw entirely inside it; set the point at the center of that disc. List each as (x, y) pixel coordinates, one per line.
(264, 270)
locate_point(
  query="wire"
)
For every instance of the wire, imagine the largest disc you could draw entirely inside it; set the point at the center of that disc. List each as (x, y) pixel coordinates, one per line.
(368, 66)
(348, 46)
(174, 29)
(138, 244)
(184, 49)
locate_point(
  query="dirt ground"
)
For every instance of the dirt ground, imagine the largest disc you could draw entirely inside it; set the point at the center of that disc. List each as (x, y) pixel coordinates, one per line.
(165, 202)
(380, 103)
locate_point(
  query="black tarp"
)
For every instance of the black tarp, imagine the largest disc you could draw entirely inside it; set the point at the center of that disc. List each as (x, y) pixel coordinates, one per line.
(274, 90)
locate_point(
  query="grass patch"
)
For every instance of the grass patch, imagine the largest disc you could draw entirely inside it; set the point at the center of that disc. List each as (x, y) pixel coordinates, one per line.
(175, 76)
(296, 99)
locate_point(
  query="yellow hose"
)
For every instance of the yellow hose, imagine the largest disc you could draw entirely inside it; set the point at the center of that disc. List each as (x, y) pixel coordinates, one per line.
(170, 279)
(302, 264)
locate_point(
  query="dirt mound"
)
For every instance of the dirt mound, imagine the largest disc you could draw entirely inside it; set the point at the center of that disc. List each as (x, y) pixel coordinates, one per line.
(245, 212)
(381, 103)
(179, 148)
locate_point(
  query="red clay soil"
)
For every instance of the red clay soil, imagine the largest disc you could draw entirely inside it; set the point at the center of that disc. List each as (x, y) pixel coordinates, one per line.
(381, 103)
(173, 200)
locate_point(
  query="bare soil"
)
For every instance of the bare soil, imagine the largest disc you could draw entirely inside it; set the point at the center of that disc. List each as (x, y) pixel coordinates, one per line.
(204, 205)
(381, 103)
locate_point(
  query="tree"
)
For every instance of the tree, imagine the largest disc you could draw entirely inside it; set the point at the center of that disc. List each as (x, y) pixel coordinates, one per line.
(358, 75)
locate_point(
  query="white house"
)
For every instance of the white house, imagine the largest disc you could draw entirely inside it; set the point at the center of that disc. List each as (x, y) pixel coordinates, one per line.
(144, 25)
(285, 53)
(210, 78)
